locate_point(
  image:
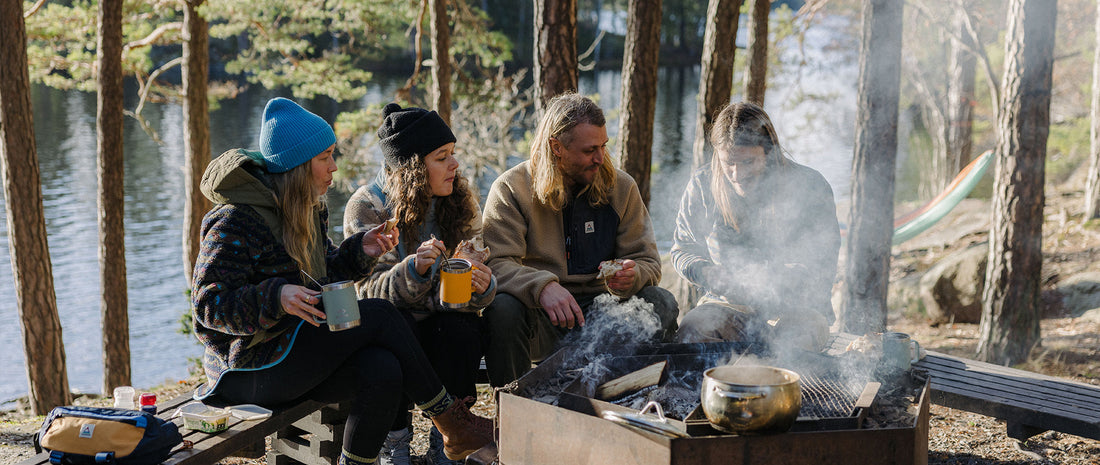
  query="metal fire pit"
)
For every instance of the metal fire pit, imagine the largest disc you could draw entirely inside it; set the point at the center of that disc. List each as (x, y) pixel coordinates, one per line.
(533, 432)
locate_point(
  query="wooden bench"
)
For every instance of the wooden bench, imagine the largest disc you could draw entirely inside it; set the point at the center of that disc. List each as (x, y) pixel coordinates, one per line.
(1029, 403)
(308, 432)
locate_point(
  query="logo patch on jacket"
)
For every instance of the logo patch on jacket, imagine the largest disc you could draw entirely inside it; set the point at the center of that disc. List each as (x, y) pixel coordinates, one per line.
(589, 227)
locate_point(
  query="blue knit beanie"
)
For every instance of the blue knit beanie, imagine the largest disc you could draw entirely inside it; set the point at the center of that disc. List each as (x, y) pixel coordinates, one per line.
(291, 135)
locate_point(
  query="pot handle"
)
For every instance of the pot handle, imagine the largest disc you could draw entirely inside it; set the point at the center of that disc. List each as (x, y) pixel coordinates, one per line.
(737, 396)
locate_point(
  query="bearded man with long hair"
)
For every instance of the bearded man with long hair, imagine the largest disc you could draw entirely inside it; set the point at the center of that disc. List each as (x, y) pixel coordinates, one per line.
(550, 221)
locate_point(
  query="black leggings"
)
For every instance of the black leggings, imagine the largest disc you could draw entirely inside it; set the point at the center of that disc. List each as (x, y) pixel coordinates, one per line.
(372, 364)
(454, 343)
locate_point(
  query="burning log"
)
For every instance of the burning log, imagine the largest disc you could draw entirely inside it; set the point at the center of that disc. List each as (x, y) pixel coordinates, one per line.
(631, 382)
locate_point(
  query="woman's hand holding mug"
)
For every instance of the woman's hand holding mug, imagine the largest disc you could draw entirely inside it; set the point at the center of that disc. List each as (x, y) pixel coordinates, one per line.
(482, 277)
(299, 301)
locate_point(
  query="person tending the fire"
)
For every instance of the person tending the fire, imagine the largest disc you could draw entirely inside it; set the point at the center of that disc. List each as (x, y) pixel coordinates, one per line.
(549, 222)
(255, 311)
(421, 190)
(758, 233)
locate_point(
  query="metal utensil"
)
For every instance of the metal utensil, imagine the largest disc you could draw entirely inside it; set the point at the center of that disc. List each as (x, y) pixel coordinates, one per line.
(311, 279)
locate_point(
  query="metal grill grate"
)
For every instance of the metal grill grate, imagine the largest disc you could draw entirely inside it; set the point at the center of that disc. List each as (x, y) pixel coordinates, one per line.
(827, 397)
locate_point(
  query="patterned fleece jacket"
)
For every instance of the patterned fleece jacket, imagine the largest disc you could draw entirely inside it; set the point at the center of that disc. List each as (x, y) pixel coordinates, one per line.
(242, 265)
(395, 277)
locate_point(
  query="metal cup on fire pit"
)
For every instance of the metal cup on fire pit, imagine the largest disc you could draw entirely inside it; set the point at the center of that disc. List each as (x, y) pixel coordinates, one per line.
(899, 351)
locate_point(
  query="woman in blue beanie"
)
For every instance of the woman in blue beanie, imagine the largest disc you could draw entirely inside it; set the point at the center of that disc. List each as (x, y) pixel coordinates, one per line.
(254, 304)
(421, 188)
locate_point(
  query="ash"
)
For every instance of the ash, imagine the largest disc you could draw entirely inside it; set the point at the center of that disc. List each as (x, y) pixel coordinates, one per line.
(677, 396)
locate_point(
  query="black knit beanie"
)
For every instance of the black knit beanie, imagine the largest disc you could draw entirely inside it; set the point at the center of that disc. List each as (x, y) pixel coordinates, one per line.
(411, 132)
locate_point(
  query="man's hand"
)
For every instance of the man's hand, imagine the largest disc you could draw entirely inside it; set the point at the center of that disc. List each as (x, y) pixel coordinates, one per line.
(560, 306)
(623, 280)
(375, 242)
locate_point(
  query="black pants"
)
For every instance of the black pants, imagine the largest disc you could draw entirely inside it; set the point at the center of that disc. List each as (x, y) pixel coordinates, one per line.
(454, 344)
(373, 365)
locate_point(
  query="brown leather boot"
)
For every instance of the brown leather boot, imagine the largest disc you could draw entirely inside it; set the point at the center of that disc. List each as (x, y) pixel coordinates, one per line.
(463, 432)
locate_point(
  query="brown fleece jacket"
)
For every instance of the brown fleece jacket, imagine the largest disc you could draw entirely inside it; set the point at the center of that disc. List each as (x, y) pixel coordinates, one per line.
(527, 242)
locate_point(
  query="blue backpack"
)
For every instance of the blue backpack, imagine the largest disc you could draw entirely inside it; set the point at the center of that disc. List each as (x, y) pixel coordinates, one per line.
(105, 435)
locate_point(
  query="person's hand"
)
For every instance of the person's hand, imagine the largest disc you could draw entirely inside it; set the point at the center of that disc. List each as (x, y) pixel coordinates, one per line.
(299, 301)
(375, 243)
(427, 253)
(481, 278)
(623, 280)
(560, 306)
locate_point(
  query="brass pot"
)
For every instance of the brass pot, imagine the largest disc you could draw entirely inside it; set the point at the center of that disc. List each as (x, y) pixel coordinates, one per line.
(751, 399)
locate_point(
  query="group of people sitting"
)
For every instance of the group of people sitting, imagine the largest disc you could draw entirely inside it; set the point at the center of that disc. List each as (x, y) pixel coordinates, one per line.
(756, 232)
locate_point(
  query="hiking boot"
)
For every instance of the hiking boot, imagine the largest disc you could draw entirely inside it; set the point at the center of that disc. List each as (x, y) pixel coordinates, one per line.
(462, 431)
(395, 449)
(435, 455)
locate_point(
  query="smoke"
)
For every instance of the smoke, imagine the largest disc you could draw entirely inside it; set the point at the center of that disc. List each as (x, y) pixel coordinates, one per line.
(612, 323)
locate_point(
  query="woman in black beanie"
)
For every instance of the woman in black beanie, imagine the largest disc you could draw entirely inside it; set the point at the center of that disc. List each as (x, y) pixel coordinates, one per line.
(435, 209)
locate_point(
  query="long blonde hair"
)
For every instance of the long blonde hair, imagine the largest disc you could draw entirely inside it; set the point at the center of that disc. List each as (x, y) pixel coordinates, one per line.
(563, 113)
(297, 205)
(747, 125)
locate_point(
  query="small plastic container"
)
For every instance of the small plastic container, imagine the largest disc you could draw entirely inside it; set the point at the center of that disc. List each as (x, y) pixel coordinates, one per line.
(148, 402)
(248, 412)
(124, 397)
(198, 416)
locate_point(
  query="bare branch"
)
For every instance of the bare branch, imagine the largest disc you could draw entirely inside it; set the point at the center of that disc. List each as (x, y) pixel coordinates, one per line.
(34, 9)
(153, 36)
(404, 92)
(144, 86)
(974, 46)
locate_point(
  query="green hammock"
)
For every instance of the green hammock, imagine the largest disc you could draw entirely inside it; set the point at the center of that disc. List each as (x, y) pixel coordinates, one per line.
(913, 223)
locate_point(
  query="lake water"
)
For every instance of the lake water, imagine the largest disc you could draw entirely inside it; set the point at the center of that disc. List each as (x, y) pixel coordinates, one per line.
(812, 106)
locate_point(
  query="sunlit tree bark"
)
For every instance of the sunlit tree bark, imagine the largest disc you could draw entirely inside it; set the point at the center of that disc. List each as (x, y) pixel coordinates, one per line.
(870, 220)
(555, 49)
(1092, 179)
(43, 348)
(1010, 302)
(716, 75)
(441, 56)
(756, 79)
(110, 171)
(196, 129)
(639, 91)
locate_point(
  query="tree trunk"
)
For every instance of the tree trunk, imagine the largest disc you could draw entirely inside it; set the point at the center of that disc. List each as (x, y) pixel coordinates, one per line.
(716, 75)
(639, 90)
(441, 54)
(960, 92)
(30, 256)
(110, 172)
(756, 79)
(1010, 302)
(1092, 179)
(196, 127)
(555, 49)
(867, 263)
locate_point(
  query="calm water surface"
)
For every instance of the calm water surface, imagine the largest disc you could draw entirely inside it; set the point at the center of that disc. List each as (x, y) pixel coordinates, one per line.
(812, 107)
